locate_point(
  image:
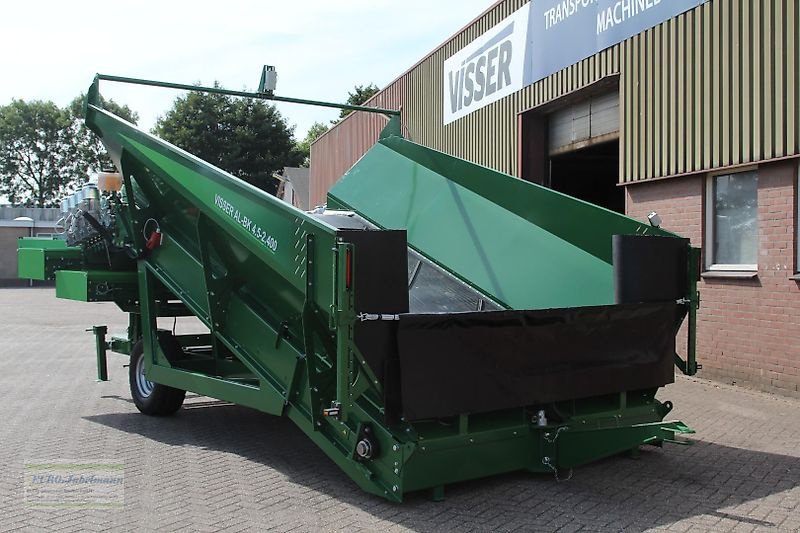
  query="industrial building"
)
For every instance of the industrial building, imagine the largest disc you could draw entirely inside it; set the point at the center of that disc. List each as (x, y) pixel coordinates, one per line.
(16, 222)
(688, 108)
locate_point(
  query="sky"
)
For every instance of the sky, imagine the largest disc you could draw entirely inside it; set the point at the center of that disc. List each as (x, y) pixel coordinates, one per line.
(51, 50)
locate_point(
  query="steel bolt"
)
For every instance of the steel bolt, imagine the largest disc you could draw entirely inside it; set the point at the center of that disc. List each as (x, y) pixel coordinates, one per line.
(395, 447)
(394, 488)
(364, 449)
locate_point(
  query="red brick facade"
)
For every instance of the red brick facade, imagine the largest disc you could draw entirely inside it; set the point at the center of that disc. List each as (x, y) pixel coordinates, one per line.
(748, 329)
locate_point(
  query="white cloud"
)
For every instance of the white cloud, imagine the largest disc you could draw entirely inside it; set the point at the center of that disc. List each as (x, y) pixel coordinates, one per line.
(51, 50)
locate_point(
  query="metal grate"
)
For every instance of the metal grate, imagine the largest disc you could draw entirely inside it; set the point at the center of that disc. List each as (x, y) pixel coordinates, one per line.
(431, 289)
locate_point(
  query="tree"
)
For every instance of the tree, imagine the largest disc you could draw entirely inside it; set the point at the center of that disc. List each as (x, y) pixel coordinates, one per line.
(87, 149)
(35, 167)
(246, 137)
(47, 152)
(304, 146)
(362, 94)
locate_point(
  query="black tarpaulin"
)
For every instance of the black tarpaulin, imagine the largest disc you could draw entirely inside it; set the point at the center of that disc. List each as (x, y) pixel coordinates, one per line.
(476, 362)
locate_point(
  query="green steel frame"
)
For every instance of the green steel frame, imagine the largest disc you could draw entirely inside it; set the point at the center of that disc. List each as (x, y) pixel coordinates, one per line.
(245, 94)
(270, 284)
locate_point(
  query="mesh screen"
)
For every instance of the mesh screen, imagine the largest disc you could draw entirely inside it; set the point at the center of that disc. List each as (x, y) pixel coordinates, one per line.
(433, 290)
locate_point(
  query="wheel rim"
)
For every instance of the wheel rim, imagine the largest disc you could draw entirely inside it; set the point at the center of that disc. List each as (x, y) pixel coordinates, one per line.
(144, 385)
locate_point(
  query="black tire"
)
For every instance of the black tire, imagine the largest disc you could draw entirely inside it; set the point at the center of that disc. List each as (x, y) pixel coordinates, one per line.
(151, 398)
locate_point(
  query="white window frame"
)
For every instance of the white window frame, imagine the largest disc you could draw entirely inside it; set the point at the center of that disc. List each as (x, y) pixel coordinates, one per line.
(710, 265)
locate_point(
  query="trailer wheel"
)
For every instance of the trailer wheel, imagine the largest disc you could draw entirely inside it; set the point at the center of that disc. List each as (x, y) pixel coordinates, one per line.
(151, 398)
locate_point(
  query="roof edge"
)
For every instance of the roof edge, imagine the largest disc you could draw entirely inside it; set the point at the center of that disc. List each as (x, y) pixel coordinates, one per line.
(415, 65)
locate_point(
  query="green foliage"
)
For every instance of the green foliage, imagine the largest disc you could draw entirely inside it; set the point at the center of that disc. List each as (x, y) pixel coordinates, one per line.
(46, 152)
(246, 137)
(86, 146)
(35, 164)
(362, 94)
(304, 146)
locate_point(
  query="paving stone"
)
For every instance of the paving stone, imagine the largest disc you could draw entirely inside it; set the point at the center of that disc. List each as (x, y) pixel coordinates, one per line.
(216, 466)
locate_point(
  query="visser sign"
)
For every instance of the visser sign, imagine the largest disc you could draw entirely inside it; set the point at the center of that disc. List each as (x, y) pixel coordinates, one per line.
(539, 39)
(488, 69)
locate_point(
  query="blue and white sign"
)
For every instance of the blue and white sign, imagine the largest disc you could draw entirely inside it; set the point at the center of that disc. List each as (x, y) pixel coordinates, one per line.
(487, 69)
(541, 38)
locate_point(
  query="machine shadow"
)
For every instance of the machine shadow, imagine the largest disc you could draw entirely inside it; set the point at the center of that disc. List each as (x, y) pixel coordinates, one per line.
(661, 487)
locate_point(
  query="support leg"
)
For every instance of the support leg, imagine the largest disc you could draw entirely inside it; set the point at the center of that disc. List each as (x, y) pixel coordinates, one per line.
(102, 363)
(436, 493)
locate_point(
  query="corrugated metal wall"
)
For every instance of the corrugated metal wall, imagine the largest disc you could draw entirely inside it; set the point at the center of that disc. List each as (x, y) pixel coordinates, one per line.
(336, 151)
(714, 87)
(489, 135)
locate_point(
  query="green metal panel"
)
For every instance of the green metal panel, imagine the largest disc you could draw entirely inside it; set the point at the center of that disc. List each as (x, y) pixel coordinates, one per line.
(527, 246)
(31, 263)
(42, 263)
(92, 285)
(264, 231)
(43, 243)
(72, 285)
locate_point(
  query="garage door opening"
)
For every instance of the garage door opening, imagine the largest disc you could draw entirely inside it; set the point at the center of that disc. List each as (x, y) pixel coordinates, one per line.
(590, 174)
(572, 145)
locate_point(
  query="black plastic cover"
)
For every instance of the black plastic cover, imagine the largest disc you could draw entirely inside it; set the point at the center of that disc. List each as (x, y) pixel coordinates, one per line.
(380, 285)
(459, 363)
(649, 268)
(380, 276)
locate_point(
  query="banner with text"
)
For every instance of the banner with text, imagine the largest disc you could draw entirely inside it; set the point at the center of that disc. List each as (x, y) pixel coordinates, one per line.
(541, 38)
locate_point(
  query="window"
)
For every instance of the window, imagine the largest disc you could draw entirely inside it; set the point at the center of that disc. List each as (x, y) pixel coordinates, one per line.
(797, 222)
(732, 222)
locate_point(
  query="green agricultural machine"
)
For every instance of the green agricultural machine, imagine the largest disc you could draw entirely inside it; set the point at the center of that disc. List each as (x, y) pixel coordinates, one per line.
(436, 321)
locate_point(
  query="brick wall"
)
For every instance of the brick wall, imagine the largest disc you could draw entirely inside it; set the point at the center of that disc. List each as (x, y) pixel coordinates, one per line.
(748, 330)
